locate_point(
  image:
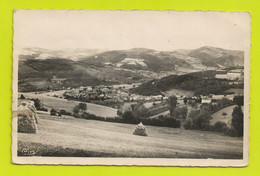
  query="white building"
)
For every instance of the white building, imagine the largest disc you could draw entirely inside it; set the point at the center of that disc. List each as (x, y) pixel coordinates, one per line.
(221, 76)
(236, 74)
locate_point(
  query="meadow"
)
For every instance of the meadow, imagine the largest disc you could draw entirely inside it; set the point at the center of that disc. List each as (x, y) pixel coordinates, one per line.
(68, 105)
(223, 115)
(68, 136)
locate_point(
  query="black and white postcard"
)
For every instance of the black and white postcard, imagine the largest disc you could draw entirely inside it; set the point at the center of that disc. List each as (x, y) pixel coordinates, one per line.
(156, 88)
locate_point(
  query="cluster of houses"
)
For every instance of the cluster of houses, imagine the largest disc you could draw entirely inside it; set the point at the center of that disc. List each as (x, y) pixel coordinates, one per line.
(210, 98)
(120, 93)
(116, 93)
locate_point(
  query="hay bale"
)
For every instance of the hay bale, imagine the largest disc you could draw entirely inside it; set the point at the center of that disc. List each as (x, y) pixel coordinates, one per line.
(26, 119)
(140, 130)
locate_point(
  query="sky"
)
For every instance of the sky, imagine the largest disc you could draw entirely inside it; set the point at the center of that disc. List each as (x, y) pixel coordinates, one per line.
(116, 30)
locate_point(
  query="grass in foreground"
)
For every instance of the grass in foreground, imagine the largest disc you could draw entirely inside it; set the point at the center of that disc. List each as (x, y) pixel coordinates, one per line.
(68, 137)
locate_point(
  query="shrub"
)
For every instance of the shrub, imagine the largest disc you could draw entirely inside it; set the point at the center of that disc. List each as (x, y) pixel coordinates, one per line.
(42, 109)
(199, 120)
(163, 121)
(220, 127)
(171, 122)
(64, 112)
(188, 124)
(37, 103)
(202, 120)
(238, 120)
(231, 132)
(185, 100)
(53, 112)
(76, 109)
(140, 111)
(119, 112)
(128, 117)
(22, 96)
(89, 116)
(83, 106)
(172, 102)
(161, 117)
(181, 113)
(238, 100)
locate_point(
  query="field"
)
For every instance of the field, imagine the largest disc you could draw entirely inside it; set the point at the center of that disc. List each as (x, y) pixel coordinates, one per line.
(67, 136)
(217, 116)
(60, 103)
(180, 92)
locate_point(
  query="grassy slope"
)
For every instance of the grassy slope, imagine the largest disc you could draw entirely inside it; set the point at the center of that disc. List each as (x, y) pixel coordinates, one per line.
(58, 104)
(68, 136)
(217, 116)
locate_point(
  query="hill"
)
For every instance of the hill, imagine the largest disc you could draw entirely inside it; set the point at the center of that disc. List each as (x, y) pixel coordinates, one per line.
(223, 115)
(37, 66)
(60, 103)
(190, 82)
(216, 57)
(68, 136)
(157, 61)
(36, 74)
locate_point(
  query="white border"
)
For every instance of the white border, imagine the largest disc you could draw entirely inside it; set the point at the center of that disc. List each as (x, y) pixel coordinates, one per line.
(134, 161)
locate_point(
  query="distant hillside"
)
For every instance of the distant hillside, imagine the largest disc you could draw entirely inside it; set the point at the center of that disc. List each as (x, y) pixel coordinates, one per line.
(197, 59)
(91, 67)
(190, 82)
(36, 74)
(215, 57)
(72, 54)
(154, 61)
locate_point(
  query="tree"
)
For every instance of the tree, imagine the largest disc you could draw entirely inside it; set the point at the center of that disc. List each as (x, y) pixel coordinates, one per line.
(76, 109)
(119, 112)
(193, 114)
(238, 100)
(128, 117)
(22, 96)
(83, 106)
(202, 120)
(172, 102)
(140, 111)
(188, 123)
(53, 112)
(37, 103)
(132, 106)
(185, 100)
(220, 126)
(238, 120)
(198, 99)
(223, 102)
(181, 113)
(224, 114)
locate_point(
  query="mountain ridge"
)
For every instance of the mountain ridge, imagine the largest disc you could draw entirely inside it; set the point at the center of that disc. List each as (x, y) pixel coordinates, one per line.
(122, 66)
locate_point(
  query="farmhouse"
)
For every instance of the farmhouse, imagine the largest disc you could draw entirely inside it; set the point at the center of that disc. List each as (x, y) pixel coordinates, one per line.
(221, 76)
(205, 99)
(232, 75)
(57, 80)
(235, 74)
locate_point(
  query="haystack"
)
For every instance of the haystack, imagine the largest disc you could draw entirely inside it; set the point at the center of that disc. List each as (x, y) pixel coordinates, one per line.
(26, 118)
(140, 130)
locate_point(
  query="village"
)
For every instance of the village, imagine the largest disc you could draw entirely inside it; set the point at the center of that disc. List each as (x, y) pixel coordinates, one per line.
(174, 108)
(120, 93)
